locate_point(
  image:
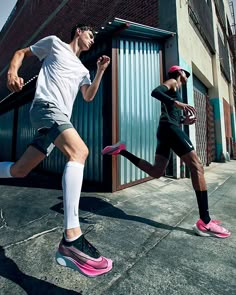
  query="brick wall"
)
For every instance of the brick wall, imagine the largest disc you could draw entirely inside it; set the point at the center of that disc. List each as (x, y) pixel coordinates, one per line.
(35, 19)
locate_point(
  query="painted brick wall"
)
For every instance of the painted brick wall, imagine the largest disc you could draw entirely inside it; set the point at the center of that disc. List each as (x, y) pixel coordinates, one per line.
(35, 19)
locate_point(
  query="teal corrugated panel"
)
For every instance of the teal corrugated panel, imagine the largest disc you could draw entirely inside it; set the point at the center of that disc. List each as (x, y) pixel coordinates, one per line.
(138, 74)
(25, 131)
(6, 132)
(90, 127)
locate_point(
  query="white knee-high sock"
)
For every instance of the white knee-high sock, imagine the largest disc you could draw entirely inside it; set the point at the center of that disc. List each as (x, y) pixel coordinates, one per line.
(5, 169)
(71, 183)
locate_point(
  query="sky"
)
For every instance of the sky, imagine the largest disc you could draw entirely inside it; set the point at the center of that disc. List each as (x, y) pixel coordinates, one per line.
(6, 7)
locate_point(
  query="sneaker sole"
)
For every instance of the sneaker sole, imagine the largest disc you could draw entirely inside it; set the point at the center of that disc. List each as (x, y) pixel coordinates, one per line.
(208, 234)
(114, 148)
(84, 269)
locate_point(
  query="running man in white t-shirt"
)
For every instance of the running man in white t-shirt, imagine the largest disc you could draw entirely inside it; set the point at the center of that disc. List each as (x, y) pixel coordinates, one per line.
(61, 76)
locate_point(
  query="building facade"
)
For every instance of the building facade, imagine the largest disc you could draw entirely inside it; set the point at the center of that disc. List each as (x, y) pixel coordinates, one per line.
(204, 46)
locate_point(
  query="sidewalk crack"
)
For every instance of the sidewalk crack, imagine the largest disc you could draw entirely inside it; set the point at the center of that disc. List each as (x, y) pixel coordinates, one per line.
(32, 237)
(3, 222)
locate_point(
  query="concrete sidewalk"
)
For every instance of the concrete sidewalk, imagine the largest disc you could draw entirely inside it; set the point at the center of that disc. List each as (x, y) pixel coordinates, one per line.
(145, 229)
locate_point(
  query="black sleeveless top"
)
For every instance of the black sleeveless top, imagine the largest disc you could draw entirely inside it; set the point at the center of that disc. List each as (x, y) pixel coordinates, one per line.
(170, 113)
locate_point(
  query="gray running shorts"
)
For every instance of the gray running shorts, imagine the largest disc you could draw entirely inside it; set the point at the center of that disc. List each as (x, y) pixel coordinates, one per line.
(49, 122)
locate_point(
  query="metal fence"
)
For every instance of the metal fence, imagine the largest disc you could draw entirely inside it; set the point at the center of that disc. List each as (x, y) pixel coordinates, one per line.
(201, 124)
(205, 130)
(211, 141)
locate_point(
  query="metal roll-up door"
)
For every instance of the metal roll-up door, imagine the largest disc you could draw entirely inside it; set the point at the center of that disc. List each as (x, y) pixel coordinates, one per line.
(138, 112)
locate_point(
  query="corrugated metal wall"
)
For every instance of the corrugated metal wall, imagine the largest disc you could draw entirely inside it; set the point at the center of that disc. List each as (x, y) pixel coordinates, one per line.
(6, 133)
(138, 75)
(25, 131)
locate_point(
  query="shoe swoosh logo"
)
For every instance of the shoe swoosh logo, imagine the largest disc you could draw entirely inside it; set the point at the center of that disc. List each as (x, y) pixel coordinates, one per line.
(84, 259)
(213, 231)
(208, 229)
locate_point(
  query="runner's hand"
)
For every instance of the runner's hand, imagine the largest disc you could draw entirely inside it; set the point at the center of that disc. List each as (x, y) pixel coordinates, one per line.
(14, 83)
(189, 120)
(186, 108)
(103, 62)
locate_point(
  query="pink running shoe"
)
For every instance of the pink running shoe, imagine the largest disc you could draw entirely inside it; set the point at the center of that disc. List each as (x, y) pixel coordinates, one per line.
(212, 229)
(114, 149)
(82, 256)
(216, 221)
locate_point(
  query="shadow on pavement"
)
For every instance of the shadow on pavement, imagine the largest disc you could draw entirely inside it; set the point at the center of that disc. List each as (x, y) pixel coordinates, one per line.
(47, 180)
(100, 207)
(31, 285)
(34, 180)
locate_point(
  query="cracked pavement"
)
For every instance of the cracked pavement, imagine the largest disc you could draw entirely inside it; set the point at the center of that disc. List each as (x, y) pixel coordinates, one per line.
(145, 229)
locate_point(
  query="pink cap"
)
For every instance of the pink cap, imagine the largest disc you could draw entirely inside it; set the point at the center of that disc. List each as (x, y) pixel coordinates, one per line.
(178, 68)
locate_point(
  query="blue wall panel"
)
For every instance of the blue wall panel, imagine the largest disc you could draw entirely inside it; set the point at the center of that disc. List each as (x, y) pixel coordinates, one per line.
(139, 113)
(6, 133)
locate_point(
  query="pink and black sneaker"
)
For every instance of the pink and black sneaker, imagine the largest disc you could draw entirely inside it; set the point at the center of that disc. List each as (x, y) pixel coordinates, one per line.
(82, 256)
(114, 149)
(212, 229)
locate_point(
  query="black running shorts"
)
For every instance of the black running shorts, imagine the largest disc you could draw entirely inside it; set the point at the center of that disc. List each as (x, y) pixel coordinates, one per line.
(171, 137)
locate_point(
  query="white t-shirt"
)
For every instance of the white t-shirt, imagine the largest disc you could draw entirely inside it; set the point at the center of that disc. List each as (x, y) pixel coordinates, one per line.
(61, 75)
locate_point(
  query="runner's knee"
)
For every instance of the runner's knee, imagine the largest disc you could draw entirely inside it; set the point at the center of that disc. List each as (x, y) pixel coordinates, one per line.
(18, 171)
(156, 173)
(78, 154)
(196, 166)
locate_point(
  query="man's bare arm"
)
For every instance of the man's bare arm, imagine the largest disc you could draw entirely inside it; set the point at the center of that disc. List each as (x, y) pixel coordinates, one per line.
(14, 82)
(89, 91)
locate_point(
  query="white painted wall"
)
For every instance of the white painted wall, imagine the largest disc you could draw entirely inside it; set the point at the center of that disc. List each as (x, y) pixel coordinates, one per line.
(194, 52)
(191, 47)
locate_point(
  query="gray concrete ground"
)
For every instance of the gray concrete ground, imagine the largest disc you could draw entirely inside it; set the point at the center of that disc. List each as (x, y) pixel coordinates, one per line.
(145, 229)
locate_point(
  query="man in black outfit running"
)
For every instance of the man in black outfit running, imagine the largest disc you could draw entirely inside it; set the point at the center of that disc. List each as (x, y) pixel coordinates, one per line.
(171, 137)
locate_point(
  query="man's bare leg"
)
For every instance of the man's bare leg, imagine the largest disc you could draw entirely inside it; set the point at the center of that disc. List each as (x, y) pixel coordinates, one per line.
(196, 169)
(199, 184)
(157, 170)
(27, 162)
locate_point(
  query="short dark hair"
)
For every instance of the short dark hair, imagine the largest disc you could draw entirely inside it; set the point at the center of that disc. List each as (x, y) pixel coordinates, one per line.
(174, 75)
(82, 27)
